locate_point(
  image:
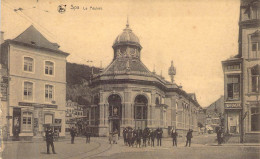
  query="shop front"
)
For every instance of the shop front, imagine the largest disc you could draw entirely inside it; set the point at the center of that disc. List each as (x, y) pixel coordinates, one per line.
(232, 117)
(29, 120)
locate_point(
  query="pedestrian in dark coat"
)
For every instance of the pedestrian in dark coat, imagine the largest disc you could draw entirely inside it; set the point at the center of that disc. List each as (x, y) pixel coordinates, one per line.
(159, 137)
(174, 138)
(138, 137)
(153, 134)
(124, 136)
(189, 136)
(219, 136)
(72, 134)
(87, 134)
(49, 140)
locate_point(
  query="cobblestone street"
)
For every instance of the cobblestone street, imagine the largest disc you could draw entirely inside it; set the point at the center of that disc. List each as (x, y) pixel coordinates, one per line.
(100, 148)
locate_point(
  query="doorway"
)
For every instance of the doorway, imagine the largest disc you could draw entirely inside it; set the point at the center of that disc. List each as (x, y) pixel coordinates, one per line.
(115, 112)
(16, 123)
(115, 125)
(140, 111)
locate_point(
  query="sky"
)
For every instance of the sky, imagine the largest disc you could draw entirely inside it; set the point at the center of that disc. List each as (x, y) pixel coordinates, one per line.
(196, 34)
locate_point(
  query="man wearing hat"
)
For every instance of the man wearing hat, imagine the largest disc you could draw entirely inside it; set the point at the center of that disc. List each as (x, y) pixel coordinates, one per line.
(49, 139)
(189, 136)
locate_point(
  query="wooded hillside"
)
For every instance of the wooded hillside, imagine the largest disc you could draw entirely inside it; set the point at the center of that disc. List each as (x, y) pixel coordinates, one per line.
(77, 78)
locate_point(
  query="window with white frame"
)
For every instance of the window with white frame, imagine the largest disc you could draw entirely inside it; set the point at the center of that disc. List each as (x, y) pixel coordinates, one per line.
(27, 121)
(28, 91)
(255, 49)
(28, 64)
(49, 68)
(255, 45)
(49, 93)
(233, 87)
(255, 13)
(255, 77)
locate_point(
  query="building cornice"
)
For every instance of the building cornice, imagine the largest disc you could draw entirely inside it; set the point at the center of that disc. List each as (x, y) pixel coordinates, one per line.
(253, 23)
(145, 82)
(36, 47)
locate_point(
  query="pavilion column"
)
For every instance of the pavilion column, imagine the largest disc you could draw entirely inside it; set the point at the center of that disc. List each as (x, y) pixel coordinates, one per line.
(103, 113)
(127, 109)
(106, 113)
(151, 119)
(101, 109)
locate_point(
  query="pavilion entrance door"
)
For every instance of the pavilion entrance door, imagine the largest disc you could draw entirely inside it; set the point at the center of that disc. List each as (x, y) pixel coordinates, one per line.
(140, 112)
(114, 125)
(115, 113)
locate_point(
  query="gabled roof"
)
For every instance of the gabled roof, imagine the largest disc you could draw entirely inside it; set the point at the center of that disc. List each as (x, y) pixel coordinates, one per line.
(33, 37)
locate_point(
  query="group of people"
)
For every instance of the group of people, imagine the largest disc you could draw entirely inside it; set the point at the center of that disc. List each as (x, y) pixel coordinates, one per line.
(131, 137)
(135, 136)
(174, 135)
(49, 135)
(113, 137)
(73, 134)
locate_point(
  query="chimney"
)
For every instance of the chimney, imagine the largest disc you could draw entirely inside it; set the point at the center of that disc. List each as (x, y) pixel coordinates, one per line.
(1, 37)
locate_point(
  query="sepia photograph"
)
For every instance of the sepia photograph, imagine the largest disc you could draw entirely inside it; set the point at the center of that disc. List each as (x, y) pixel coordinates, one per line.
(111, 79)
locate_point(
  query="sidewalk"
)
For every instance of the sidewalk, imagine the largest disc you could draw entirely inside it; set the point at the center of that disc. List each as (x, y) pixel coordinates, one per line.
(236, 144)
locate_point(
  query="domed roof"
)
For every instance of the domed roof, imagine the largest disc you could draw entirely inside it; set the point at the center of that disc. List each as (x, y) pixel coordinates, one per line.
(127, 37)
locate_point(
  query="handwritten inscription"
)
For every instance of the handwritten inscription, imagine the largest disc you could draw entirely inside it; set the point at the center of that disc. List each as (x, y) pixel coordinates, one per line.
(90, 8)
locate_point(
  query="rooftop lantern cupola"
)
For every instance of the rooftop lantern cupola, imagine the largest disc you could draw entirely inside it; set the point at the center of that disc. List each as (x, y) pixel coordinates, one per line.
(172, 72)
(127, 45)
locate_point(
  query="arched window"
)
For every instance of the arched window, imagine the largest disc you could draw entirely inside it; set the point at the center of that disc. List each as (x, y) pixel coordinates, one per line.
(141, 107)
(115, 105)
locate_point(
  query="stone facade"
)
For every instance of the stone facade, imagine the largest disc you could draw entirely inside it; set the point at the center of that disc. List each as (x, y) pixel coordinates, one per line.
(36, 86)
(242, 75)
(126, 94)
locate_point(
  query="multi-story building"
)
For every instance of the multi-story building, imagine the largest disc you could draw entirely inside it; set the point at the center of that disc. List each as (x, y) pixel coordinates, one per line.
(74, 112)
(36, 95)
(214, 114)
(242, 75)
(126, 94)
